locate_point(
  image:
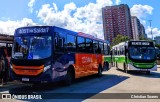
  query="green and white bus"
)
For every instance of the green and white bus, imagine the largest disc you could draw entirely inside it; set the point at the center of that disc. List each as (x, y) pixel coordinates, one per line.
(135, 55)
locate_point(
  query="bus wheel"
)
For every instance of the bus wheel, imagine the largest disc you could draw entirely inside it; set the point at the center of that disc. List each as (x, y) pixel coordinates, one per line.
(69, 78)
(116, 65)
(105, 66)
(99, 71)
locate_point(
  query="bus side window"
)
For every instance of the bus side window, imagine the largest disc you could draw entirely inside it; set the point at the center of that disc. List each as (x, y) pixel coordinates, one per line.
(81, 44)
(56, 42)
(89, 45)
(116, 52)
(95, 46)
(71, 43)
(59, 43)
(106, 49)
(100, 50)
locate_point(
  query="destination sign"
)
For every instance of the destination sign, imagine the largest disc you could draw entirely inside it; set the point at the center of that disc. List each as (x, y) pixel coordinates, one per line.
(140, 43)
(33, 30)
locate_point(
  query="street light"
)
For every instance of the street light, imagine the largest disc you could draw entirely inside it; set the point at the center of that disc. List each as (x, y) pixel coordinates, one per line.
(151, 28)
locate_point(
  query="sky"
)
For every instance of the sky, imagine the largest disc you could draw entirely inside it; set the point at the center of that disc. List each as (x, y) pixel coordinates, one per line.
(77, 15)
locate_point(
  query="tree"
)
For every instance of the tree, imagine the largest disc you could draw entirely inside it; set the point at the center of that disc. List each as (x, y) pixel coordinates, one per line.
(119, 38)
(157, 45)
(141, 37)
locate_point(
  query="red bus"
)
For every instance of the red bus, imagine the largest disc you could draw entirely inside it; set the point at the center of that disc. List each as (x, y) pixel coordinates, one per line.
(49, 53)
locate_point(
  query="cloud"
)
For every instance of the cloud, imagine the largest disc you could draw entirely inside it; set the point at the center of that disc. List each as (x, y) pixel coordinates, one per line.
(30, 5)
(155, 32)
(141, 11)
(9, 26)
(118, 1)
(87, 19)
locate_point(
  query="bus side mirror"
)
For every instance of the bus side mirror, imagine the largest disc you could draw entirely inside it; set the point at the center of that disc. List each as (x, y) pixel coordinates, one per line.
(126, 50)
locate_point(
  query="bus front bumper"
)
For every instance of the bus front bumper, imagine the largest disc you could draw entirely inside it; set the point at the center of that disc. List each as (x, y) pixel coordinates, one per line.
(41, 78)
(131, 67)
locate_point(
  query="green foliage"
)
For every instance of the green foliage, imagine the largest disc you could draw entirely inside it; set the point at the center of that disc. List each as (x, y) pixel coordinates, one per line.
(118, 39)
(141, 37)
(157, 45)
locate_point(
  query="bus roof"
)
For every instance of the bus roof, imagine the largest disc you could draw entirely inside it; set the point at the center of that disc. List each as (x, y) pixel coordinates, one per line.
(119, 45)
(80, 34)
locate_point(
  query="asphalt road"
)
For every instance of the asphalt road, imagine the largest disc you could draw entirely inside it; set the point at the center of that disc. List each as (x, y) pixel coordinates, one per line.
(95, 89)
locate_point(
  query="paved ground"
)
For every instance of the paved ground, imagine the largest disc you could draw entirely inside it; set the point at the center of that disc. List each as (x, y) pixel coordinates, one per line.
(112, 81)
(136, 83)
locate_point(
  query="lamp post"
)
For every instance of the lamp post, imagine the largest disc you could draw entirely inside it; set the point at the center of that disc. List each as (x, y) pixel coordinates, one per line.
(151, 28)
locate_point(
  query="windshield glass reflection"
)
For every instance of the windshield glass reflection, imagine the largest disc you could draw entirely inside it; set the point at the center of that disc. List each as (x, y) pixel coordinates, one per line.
(144, 53)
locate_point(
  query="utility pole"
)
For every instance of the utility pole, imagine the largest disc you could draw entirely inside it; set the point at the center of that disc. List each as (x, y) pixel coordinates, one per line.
(151, 28)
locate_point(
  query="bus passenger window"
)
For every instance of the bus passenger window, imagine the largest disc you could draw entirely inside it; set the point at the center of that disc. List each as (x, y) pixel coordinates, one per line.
(81, 45)
(89, 46)
(95, 46)
(61, 42)
(56, 43)
(106, 51)
(70, 45)
(100, 47)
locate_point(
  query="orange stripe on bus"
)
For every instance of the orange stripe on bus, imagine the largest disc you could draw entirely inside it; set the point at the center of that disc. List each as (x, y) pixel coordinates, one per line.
(28, 70)
(28, 67)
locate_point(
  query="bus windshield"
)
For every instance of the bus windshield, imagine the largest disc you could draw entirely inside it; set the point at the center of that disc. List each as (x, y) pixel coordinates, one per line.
(32, 47)
(142, 53)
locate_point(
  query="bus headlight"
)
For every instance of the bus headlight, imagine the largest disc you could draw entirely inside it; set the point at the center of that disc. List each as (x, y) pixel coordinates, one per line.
(46, 68)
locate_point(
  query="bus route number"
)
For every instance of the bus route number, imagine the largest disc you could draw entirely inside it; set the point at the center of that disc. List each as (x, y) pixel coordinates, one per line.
(33, 30)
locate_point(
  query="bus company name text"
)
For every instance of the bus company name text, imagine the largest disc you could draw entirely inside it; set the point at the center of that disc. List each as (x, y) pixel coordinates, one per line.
(9, 96)
(86, 60)
(33, 30)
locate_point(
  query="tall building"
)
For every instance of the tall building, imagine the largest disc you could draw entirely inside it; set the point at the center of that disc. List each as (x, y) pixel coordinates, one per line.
(143, 33)
(136, 27)
(116, 20)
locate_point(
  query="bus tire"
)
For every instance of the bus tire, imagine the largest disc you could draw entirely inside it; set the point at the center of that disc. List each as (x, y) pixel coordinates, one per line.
(69, 78)
(99, 71)
(116, 65)
(105, 66)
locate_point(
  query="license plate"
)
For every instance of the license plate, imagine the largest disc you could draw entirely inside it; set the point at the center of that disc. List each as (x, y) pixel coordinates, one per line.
(25, 79)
